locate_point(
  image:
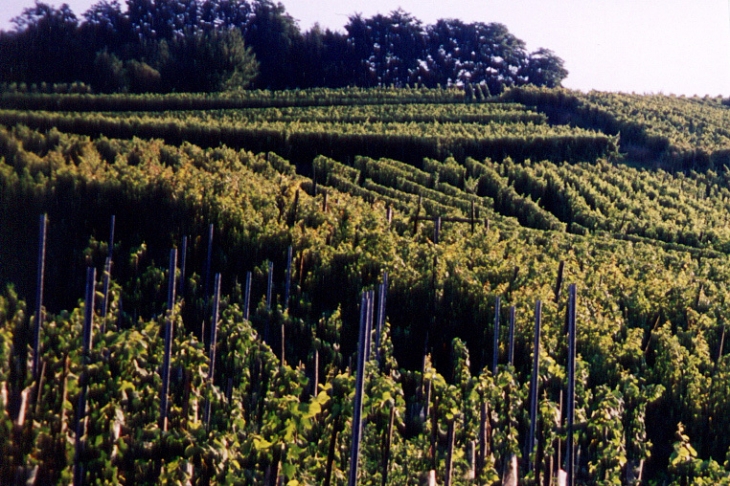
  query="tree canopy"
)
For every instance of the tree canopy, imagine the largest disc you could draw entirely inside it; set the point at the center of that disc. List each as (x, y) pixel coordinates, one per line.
(213, 45)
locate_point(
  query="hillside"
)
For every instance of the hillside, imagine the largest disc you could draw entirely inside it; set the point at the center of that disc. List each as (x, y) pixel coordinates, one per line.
(301, 201)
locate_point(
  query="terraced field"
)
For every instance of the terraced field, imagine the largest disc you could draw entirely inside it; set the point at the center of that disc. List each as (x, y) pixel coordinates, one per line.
(150, 368)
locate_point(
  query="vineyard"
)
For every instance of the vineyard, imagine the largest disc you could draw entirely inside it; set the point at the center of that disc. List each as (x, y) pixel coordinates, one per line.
(377, 287)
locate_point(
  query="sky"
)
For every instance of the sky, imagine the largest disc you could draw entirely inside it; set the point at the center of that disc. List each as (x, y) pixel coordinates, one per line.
(677, 47)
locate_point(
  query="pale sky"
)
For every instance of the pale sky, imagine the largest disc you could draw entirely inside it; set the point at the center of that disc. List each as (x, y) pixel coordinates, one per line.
(642, 46)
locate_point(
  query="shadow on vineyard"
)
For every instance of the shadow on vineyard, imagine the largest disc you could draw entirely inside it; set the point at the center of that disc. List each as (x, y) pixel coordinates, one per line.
(209, 315)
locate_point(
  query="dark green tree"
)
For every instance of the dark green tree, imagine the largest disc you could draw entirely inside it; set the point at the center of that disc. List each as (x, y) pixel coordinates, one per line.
(386, 48)
(205, 61)
(43, 46)
(272, 34)
(461, 53)
(544, 68)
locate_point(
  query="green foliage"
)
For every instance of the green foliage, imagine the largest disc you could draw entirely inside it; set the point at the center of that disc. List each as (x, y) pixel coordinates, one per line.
(303, 140)
(649, 264)
(672, 132)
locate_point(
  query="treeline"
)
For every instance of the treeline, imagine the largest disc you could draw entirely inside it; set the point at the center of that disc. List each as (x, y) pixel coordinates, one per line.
(216, 45)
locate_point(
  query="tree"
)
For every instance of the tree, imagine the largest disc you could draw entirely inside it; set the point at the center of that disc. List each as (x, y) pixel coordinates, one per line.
(234, 65)
(105, 26)
(544, 68)
(386, 49)
(461, 53)
(272, 33)
(204, 61)
(148, 45)
(44, 46)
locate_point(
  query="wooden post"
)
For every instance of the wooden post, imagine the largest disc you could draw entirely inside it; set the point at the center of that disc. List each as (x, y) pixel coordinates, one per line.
(283, 343)
(450, 453)
(324, 203)
(247, 296)
(302, 258)
(371, 321)
(314, 181)
(471, 461)
(39, 388)
(270, 285)
(331, 450)
(183, 261)
(112, 224)
(287, 283)
(208, 263)
(558, 450)
(722, 345)
(382, 293)
(296, 207)
(484, 432)
(389, 214)
(388, 442)
(570, 447)
(511, 349)
(472, 217)
(315, 386)
(427, 400)
(39, 313)
(534, 384)
(89, 311)
(78, 478)
(378, 324)
(415, 219)
(108, 271)
(559, 282)
(107, 281)
(511, 474)
(436, 230)
(64, 394)
(213, 341)
(359, 388)
(434, 432)
(495, 352)
(169, 333)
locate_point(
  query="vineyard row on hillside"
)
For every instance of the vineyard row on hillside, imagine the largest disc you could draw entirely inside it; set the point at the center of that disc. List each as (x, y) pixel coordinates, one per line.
(651, 367)
(238, 100)
(677, 134)
(301, 143)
